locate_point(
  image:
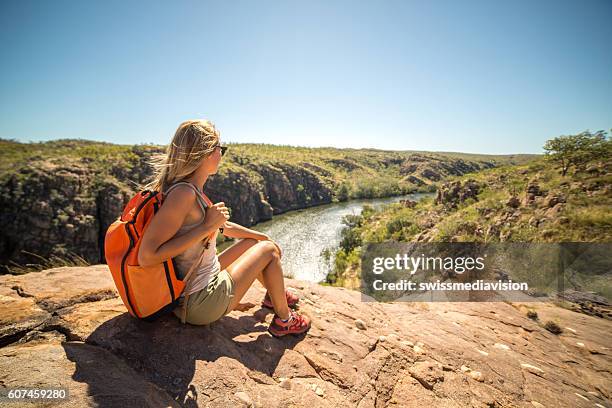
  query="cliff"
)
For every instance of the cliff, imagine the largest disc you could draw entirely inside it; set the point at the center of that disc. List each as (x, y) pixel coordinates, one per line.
(66, 327)
(59, 197)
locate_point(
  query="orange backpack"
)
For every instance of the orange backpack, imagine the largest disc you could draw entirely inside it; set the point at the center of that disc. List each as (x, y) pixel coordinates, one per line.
(151, 291)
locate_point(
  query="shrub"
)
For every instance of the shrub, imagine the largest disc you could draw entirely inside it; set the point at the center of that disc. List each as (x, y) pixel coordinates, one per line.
(553, 327)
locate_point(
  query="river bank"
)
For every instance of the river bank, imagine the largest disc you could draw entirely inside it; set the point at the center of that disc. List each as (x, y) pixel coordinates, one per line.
(307, 235)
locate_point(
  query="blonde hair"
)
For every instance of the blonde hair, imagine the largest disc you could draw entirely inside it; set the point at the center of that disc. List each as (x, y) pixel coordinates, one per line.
(192, 142)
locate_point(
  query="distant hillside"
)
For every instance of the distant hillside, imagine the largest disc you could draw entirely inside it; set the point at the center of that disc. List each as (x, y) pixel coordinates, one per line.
(59, 197)
(529, 202)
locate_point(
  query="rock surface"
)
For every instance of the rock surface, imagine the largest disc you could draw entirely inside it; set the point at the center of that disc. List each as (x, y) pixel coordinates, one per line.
(454, 193)
(66, 327)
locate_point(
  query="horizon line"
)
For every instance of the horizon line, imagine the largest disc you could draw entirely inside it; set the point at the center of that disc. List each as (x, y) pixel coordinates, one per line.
(275, 145)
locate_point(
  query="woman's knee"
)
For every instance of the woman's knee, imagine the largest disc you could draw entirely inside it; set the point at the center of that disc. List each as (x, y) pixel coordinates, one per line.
(267, 247)
(268, 251)
(272, 247)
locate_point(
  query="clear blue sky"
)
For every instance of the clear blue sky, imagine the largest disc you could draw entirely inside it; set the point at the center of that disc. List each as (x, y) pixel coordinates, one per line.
(470, 76)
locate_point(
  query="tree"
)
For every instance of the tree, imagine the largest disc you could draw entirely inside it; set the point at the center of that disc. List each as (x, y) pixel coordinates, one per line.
(577, 150)
(343, 192)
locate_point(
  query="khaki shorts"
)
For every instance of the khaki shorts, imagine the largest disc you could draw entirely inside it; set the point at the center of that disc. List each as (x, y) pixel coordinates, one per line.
(211, 303)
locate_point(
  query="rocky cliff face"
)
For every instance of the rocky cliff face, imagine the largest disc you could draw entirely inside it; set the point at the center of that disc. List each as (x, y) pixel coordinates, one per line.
(60, 207)
(422, 169)
(67, 327)
(64, 209)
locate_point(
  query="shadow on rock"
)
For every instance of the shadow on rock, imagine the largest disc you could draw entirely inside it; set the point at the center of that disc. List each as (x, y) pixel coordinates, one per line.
(174, 356)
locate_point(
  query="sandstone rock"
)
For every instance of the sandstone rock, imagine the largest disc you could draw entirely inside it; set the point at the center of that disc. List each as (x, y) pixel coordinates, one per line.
(554, 199)
(427, 373)
(107, 358)
(244, 398)
(532, 369)
(453, 193)
(360, 324)
(534, 189)
(529, 199)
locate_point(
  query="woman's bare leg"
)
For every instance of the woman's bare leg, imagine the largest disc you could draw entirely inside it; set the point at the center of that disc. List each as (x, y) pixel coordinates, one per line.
(262, 258)
(230, 254)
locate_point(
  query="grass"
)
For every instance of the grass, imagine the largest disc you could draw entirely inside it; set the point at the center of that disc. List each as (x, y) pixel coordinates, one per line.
(47, 263)
(585, 218)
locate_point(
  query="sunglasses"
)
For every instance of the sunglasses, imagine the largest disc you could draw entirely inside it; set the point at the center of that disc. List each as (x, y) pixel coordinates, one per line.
(223, 148)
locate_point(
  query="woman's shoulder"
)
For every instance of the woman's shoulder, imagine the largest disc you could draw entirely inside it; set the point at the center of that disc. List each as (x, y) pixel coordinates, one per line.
(181, 193)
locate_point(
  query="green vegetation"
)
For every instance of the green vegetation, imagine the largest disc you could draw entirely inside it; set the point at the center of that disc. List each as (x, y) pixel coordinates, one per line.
(53, 261)
(553, 327)
(55, 190)
(577, 150)
(348, 173)
(542, 200)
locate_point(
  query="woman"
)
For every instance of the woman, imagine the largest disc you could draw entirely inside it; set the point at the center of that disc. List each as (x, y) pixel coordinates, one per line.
(181, 227)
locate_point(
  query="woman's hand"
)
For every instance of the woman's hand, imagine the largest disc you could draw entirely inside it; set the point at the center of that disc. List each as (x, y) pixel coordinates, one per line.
(216, 215)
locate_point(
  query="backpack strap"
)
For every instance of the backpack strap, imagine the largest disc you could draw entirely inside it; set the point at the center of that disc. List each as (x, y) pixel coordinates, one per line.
(186, 279)
(189, 273)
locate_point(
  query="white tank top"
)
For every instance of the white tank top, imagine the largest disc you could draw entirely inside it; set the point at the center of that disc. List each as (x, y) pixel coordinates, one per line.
(209, 266)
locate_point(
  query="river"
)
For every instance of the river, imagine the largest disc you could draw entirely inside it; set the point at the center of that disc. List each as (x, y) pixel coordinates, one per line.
(304, 234)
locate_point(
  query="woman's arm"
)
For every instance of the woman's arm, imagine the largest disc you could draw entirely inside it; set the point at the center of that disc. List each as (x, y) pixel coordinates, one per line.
(233, 230)
(159, 242)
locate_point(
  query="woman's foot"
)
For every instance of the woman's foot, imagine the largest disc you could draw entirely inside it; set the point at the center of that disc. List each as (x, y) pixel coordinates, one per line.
(295, 324)
(292, 300)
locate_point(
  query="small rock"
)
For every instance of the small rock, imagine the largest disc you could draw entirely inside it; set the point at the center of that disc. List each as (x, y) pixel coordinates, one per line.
(286, 384)
(407, 343)
(382, 339)
(532, 369)
(570, 329)
(581, 396)
(477, 375)
(465, 369)
(484, 353)
(537, 404)
(513, 202)
(319, 391)
(580, 344)
(427, 373)
(360, 324)
(418, 349)
(501, 346)
(244, 398)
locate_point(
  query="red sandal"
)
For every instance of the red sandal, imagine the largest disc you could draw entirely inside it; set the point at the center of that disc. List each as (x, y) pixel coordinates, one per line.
(292, 300)
(296, 324)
